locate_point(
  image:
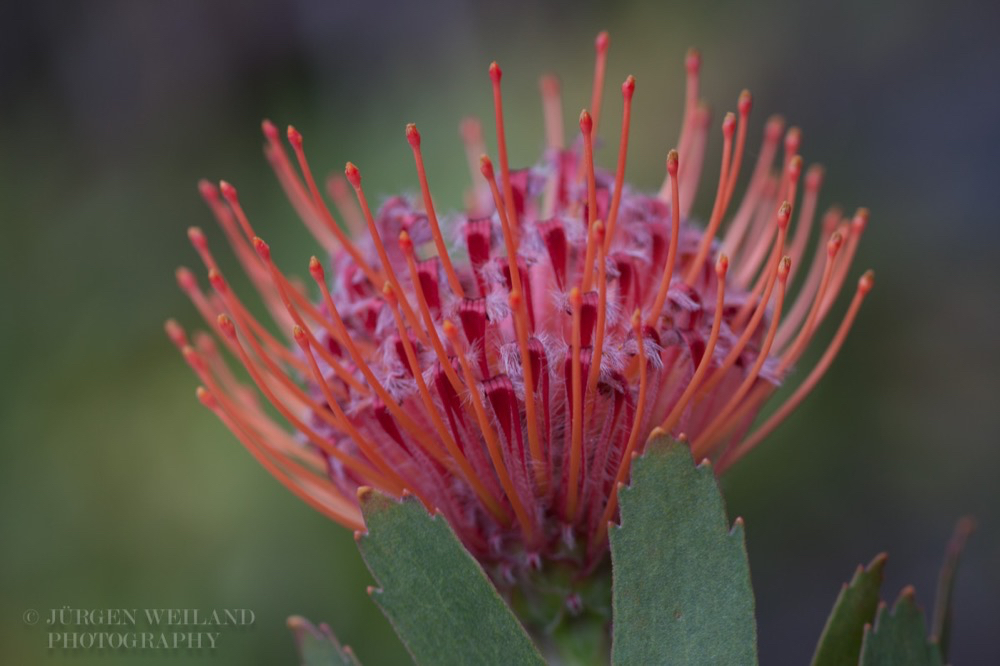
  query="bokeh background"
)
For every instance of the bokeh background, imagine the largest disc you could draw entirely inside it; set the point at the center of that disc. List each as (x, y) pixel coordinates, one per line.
(117, 490)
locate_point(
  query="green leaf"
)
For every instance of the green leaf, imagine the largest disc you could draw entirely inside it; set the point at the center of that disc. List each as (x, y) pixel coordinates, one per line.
(855, 607)
(899, 638)
(318, 646)
(941, 620)
(435, 594)
(682, 592)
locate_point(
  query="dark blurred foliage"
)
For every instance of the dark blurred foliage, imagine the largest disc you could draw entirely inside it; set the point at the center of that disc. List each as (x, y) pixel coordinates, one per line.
(119, 491)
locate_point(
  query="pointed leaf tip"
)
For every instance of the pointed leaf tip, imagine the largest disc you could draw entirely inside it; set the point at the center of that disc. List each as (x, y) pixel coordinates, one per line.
(840, 642)
(370, 500)
(318, 646)
(899, 636)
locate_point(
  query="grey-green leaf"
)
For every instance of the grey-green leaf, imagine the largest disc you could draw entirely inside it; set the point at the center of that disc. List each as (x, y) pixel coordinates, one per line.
(682, 592)
(318, 646)
(855, 607)
(899, 638)
(435, 594)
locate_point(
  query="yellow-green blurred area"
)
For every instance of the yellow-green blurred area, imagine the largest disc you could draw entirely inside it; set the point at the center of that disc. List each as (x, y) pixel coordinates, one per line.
(119, 490)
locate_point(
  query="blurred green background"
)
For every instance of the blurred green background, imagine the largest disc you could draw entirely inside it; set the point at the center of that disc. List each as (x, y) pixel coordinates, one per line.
(119, 491)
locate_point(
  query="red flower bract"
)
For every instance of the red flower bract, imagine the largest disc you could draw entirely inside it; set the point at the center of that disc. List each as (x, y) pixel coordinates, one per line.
(508, 381)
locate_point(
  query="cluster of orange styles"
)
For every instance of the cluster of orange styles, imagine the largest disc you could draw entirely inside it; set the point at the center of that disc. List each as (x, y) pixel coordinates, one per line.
(506, 368)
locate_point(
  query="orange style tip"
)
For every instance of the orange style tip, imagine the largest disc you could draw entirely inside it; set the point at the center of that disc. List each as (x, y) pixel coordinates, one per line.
(300, 336)
(413, 135)
(793, 140)
(197, 238)
(722, 265)
(486, 166)
(218, 282)
(657, 432)
(739, 521)
(470, 129)
(692, 61)
(909, 592)
(867, 281)
(672, 161)
(191, 356)
(204, 341)
(795, 168)
(586, 122)
(405, 493)
(774, 127)
(353, 175)
(208, 190)
(269, 129)
(337, 184)
(784, 267)
(814, 176)
(636, 320)
(405, 242)
(834, 244)
(784, 213)
(495, 72)
(744, 103)
(860, 220)
(294, 137)
(682, 437)
(729, 125)
(226, 326)
(204, 397)
(370, 590)
(514, 299)
(450, 330)
(262, 248)
(388, 293)
(316, 268)
(549, 83)
(598, 229)
(602, 42)
(575, 298)
(628, 88)
(175, 332)
(186, 279)
(228, 191)
(364, 493)
(830, 219)
(359, 535)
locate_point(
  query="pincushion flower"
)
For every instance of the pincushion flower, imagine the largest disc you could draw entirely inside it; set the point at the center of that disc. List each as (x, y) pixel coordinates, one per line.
(506, 365)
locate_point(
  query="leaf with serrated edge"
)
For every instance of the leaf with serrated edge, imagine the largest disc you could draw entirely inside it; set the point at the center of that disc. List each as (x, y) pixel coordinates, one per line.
(318, 646)
(855, 607)
(681, 592)
(899, 638)
(435, 594)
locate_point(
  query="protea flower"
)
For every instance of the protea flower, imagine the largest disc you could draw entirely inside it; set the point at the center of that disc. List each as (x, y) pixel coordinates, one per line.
(505, 367)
